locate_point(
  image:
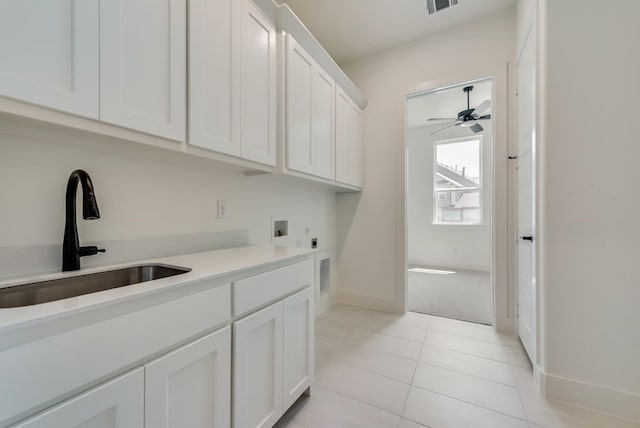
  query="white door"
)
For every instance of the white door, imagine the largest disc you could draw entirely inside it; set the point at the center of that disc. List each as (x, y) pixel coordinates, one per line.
(322, 124)
(300, 69)
(49, 53)
(117, 403)
(143, 64)
(526, 104)
(191, 386)
(298, 345)
(257, 369)
(214, 82)
(258, 100)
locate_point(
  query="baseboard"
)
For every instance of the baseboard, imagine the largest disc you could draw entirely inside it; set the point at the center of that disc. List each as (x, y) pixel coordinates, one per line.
(367, 301)
(622, 404)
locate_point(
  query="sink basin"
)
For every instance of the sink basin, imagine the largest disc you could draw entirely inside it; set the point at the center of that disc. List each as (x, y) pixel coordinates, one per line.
(63, 288)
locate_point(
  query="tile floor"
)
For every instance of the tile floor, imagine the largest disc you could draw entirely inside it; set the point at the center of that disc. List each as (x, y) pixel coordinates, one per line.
(378, 370)
(464, 295)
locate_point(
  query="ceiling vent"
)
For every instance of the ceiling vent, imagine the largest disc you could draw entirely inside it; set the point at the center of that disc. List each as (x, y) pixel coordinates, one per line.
(434, 6)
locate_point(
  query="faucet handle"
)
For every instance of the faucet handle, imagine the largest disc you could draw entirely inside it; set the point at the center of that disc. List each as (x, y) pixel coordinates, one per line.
(90, 250)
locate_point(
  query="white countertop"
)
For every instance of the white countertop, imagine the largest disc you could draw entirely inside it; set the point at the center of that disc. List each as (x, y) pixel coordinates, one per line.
(205, 265)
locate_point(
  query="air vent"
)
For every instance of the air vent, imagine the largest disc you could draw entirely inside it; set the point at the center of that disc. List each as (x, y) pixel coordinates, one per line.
(434, 6)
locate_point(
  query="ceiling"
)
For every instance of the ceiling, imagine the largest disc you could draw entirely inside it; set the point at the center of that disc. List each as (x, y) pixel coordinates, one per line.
(446, 103)
(354, 29)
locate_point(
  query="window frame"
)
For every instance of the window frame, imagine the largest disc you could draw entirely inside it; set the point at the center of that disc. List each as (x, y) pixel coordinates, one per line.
(480, 188)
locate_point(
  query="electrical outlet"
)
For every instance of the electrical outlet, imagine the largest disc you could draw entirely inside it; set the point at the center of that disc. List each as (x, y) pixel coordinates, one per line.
(223, 209)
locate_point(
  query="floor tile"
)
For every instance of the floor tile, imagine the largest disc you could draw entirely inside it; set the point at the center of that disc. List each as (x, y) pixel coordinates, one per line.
(477, 347)
(379, 391)
(329, 409)
(484, 393)
(379, 322)
(472, 331)
(327, 348)
(484, 368)
(406, 423)
(554, 414)
(524, 378)
(392, 345)
(378, 362)
(437, 411)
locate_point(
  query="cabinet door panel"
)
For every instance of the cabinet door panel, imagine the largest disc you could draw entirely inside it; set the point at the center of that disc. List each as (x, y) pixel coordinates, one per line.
(50, 53)
(191, 386)
(348, 141)
(257, 378)
(298, 345)
(258, 109)
(115, 404)
(300, 70)
(143, 65)
(322, 127)
(214, 84)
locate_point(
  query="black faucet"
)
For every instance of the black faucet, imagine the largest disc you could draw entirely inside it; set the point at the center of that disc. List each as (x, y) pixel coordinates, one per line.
(71, 249)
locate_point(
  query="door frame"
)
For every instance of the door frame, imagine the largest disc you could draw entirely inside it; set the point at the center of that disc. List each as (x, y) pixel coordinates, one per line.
(501, 220)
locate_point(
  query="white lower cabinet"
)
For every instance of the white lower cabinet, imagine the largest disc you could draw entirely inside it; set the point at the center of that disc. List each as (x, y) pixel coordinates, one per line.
(273, 360)
(298, 345)
(115, 404)
(257, 363)
(191, 386)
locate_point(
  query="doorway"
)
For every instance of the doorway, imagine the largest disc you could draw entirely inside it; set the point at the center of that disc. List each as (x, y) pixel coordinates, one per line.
(449, 201)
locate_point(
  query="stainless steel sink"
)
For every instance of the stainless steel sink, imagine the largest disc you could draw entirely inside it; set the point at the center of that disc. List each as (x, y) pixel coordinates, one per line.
(63, 288)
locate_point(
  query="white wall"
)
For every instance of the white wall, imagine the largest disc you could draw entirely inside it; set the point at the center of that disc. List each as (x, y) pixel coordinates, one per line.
(144, 195)
(428, 244)
(590, 235)
(375, 219)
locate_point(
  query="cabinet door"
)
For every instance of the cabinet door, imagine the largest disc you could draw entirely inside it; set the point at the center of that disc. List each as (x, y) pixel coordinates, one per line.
(300, 74)
(143, 65)
(322, 125)
(191, 386)
(50, 53)
(298, 345)
(348, 140)
(258, 100)
(257, 363)
(115, 404)
(214, 81)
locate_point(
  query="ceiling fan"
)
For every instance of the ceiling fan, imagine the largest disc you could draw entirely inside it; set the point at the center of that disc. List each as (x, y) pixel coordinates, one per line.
(467, 118)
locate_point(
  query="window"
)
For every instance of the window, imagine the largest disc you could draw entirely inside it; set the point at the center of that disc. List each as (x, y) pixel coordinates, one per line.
(457, 181)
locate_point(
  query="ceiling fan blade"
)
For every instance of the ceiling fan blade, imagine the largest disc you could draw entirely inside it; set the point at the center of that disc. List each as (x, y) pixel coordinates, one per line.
(476, 127)
(452, 119)
(485, 117)
(445, 128)
(486, 105)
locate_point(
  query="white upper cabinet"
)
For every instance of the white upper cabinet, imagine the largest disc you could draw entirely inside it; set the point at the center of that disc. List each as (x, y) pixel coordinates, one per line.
(49, 53)
(309, 114)
(143, 54)
(348, 140)
(300, 69)
(232, 80)
(258, 87)
(214, 81)
(323, 124)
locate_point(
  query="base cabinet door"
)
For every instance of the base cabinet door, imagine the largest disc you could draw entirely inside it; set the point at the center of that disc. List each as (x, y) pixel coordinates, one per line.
(49, 53)
(191, 386)
(115, 404)
(257, 378)
(298, 345)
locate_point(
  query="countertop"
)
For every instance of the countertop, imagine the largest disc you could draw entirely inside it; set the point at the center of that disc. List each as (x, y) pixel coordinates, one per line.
(204, 265)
